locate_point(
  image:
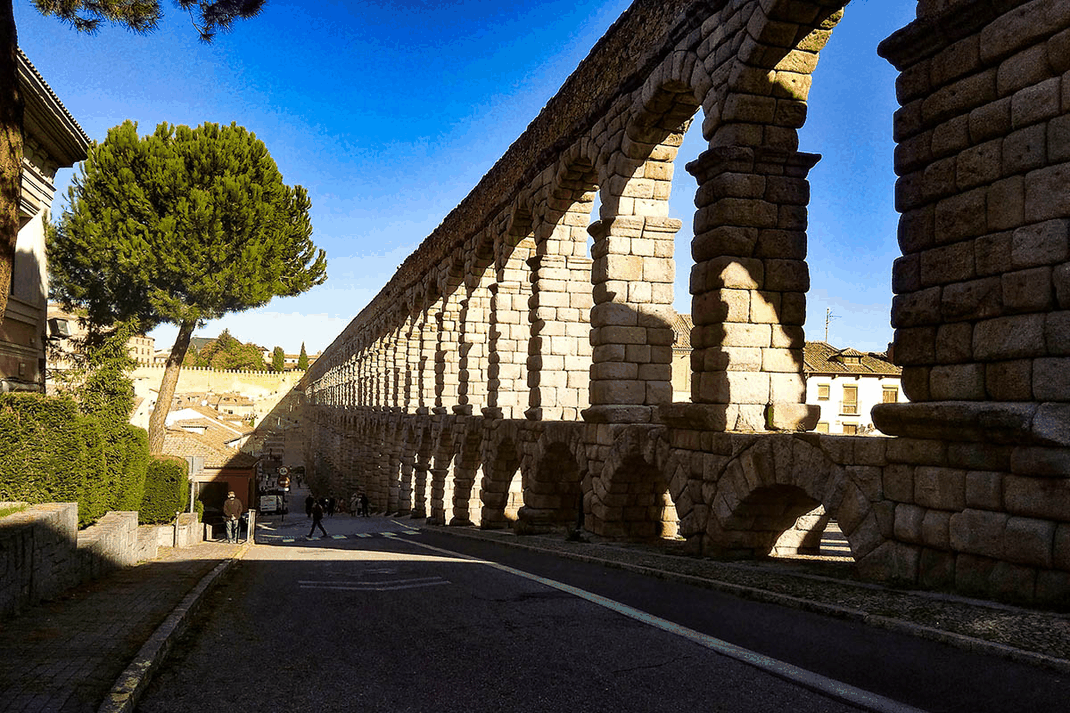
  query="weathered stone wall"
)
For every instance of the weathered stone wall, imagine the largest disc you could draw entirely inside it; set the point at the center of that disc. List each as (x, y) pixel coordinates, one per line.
(42, 552)
(469, 372)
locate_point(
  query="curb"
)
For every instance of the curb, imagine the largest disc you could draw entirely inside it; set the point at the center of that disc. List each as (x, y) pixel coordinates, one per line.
(132, 682)
(901, 626)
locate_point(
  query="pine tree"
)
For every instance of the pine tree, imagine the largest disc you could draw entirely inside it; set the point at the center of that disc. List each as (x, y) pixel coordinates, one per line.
(181, 226)
(302, 361)
(141, 16)
(278, 360)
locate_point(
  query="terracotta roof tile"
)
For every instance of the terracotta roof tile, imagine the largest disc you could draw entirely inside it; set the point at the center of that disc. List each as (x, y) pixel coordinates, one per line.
(823, 358)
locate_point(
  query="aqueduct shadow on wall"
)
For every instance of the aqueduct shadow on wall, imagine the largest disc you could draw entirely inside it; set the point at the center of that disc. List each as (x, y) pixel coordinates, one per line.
(501, 350)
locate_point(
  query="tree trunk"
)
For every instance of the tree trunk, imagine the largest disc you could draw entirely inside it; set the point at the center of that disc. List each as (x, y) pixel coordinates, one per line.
(10, 148)
(158, 420)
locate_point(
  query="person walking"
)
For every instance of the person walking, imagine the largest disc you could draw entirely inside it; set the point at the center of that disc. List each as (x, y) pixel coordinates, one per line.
(330, 505)
(364, 505)
(317, 518)
(232, 510)
(308, 505)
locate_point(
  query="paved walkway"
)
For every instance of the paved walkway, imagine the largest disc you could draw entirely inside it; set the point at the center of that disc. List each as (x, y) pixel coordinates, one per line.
(64, 656)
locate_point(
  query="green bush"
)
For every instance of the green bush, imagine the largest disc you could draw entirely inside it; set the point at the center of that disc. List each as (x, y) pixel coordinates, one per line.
(166, 490)
(98, 484)
(134, 466)
(43, 450)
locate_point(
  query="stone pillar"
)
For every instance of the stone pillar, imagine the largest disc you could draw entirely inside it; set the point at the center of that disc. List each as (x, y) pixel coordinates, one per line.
(749, 286)
(473, 348)
(509, 337)
(447, 362)
(982, 292)
(426, 383)
(631, 321)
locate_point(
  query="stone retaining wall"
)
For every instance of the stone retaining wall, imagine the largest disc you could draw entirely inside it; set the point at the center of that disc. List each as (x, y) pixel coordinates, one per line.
(42, 552)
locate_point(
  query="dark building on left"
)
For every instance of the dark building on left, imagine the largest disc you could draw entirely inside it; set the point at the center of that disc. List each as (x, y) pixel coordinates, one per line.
(52, 140)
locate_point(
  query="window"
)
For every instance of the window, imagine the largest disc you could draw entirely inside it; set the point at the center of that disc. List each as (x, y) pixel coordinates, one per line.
(850, 400)
(822, 392)
(891, 395)
(850, 429)
(822, 427)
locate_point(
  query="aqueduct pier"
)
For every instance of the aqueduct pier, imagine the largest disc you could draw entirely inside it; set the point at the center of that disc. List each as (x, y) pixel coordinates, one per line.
(503, 376)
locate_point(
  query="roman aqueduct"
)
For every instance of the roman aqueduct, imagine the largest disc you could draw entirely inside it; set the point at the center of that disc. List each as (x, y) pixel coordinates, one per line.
(501, 366)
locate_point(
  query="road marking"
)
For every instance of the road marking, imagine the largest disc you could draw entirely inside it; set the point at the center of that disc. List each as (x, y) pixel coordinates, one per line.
(338, 537)
(287, 539)
(384, 586)
(363, 534)
(808, 679)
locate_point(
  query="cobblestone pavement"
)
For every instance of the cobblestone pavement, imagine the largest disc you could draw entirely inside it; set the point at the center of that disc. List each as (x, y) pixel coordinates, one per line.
(1033, 636)
(64, 656)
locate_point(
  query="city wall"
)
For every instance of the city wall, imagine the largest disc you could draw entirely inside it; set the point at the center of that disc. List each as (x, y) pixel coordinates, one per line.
(502, 359)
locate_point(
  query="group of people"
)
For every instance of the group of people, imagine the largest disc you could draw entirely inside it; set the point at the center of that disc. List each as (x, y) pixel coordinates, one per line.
(316, 507)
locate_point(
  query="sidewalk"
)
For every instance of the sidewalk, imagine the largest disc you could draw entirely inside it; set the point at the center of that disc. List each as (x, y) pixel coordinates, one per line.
(64, 656)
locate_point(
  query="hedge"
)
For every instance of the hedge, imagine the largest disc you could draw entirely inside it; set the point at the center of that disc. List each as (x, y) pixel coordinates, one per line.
(166, 490)
(49, 452)
(43, 452)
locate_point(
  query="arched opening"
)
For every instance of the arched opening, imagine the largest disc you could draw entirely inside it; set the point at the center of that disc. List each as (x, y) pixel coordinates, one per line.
(501, 490)
(553, 496)
(637, 505)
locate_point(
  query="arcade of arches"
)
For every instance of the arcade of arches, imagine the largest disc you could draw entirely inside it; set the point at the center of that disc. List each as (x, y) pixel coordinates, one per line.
(504, 377)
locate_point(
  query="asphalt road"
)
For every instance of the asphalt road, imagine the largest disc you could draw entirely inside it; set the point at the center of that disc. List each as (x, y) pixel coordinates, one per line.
(393, 623)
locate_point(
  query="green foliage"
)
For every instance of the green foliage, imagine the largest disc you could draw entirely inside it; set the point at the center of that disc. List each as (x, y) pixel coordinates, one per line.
(166, 490)
(12, 509)
(209, 16)
(181, 226)
(64, 449)
(227, 353)
(302, 361)
(278, 360)
(133, 469)
(193, 357)
(43, 453)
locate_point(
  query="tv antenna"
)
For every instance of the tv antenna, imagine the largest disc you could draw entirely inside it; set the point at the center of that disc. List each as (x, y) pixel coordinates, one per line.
(829, 316)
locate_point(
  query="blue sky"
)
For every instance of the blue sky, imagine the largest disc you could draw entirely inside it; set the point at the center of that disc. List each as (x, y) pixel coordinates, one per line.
(389, 113)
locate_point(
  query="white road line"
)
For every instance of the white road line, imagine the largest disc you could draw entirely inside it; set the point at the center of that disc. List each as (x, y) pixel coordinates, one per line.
(814, 681)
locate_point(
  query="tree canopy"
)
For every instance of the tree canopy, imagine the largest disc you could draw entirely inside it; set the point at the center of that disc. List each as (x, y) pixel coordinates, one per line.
(302, 361)
(141, 16)
(227, 352)
(278, 360)
(180, 226)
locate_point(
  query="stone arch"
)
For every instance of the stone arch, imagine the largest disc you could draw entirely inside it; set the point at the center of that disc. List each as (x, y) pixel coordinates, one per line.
(766, 487)
(468, 445)
(631, 497)
(501, 490)
(751, 278)
(423, 450)
(408, 447)
(553, 480)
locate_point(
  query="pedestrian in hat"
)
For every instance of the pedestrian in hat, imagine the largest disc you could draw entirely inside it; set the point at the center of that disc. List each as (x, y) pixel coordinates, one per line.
(232, 510)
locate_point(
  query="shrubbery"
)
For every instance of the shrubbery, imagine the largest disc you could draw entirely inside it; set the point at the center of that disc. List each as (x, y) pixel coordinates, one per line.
(166, 490)
(78, 447)
(49, 452)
